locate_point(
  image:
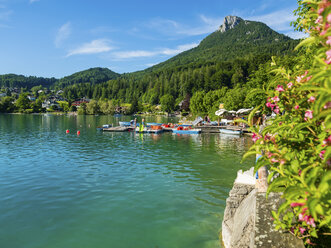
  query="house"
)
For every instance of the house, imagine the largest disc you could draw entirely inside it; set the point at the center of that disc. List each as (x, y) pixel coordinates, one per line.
(80, 101)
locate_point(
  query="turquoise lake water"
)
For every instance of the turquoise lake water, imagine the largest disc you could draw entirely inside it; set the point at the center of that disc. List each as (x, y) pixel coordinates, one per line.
(117, 190)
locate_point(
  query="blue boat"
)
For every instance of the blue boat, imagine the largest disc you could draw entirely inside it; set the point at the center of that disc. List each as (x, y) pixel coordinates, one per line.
(188, 131)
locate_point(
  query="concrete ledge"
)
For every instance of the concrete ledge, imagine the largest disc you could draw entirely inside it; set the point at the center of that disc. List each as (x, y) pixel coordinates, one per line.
(247, 219)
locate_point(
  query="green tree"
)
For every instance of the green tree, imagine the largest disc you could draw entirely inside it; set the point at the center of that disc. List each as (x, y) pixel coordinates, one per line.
(167, 103)
(6, 105)
(92, 107)
(235, 99)
(82, 109)
(196, 103)
(23, 102)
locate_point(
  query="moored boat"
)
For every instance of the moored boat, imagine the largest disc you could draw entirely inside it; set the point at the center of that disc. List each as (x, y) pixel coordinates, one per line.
(231, 131)
(125, 123)
(153, 124)
(181, 130)
(104, 126)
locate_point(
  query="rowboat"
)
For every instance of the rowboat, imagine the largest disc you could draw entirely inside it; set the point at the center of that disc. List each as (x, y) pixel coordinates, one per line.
(186, 131)
(231, 131)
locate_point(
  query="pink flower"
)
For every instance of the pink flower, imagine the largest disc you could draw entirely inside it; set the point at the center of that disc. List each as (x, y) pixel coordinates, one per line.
(328, 57)
(311, 221)
(327, 105)
(267, 137)
(309, 114)
(276, 110)
(273, 160)
(275, 98)
(268, 104)
(322, 154)
(301, 217)
(328, 18)
(319, 20)
(302, 230)
(296, 107)
(255, 137)
(297, 204)
(329, 40)
(311, 99)
(320, 11)
(280, 88)
(327, 141)
(290, 84)
(299, 78)
(328, 54)
(308, 78)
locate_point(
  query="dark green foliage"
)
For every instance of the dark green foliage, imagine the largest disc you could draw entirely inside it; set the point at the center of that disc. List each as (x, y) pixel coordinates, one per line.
(18, 81)
(7, 105)
(167, 103)
(92, 76)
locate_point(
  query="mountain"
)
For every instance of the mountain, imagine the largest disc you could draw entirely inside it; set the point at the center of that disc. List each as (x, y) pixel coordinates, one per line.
(93, 75)
(235, 38)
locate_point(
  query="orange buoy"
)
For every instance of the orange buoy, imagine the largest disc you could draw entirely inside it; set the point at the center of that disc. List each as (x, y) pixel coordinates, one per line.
(78, 132)
(67, 131)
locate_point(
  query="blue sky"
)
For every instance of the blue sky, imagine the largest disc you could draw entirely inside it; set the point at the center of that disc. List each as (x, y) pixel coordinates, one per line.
(55, 38)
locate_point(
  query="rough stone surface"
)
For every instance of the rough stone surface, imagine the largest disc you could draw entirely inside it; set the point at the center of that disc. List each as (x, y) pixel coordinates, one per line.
(247, 220)
(233, 202)
(265, 234)
(229, 23)
(243, 222)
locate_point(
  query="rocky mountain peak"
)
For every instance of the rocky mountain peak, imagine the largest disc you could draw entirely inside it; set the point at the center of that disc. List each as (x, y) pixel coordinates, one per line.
(229, 23)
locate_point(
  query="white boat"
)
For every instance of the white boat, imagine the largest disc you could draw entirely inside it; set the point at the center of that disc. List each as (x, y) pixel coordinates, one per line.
(231, 131)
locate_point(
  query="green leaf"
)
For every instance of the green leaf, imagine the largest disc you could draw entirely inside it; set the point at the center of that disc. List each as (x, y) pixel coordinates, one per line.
(305, 42)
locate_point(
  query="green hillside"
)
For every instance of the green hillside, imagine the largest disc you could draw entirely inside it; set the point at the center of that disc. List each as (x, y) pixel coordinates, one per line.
(246, 39)
(92, 76)
(20, 81)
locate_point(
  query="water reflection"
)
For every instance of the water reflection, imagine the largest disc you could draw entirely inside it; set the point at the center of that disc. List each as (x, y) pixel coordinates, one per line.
(108, 184)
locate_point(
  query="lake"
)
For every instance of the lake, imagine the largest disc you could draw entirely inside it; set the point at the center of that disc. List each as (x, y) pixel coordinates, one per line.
(116, 190)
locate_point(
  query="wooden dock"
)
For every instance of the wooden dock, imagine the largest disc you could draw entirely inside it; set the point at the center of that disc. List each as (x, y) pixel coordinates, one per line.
(216, 129)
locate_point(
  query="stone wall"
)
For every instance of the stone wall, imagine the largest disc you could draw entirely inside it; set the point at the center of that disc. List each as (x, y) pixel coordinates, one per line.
(247, 219)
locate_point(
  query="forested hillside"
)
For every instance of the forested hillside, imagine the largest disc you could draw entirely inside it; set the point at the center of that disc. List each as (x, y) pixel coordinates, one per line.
(20, 81)
(225, 59)
(92, 76)
(226, 66)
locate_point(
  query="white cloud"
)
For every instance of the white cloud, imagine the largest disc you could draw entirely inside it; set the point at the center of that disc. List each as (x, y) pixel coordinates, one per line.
(95, 46)
(62, 34)
(279, 20)
(144, 53)
(134, 54)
